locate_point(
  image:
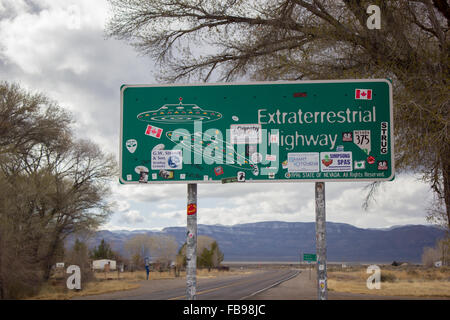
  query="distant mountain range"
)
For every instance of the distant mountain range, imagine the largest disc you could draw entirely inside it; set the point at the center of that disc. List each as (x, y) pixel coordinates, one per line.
(286, 241)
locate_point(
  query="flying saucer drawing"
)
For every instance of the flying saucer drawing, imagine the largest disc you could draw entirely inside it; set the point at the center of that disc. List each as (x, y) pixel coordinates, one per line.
(179, 113)
(218, 149)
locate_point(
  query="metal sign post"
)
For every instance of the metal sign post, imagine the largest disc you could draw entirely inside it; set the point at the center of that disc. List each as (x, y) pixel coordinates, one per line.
(191, 242)
(321, 244)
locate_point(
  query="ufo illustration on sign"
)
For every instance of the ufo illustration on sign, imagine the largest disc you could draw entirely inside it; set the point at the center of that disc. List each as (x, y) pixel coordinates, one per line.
(179, 113)
(216, 149)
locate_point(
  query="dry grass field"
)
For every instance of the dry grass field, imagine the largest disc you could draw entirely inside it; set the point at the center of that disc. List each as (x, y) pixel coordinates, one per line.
(111, 282)
(414, 281)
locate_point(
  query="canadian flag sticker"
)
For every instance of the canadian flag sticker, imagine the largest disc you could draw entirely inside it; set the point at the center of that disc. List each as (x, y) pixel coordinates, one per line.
(363, 94)
(153, 131)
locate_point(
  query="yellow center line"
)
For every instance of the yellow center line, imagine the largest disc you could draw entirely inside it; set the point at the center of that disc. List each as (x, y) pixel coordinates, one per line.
(213, 289)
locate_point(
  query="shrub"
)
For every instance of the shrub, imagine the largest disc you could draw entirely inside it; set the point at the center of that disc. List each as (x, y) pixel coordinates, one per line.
(388, 277)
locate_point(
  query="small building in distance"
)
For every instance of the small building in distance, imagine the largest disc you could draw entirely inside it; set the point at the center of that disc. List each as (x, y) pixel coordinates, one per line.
(99, 265)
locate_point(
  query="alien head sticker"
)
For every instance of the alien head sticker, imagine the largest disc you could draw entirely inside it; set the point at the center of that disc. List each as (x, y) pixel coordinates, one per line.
(131, 145)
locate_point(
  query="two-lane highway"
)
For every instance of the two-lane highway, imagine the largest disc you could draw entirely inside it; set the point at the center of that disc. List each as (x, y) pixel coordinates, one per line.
(221, 288)
(235, 289)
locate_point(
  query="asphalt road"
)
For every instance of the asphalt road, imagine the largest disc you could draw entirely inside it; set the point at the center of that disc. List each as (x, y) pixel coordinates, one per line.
(221, 288)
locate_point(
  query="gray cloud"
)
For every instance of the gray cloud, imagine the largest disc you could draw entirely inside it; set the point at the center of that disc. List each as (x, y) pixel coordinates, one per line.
(77, 67)
(131, 218)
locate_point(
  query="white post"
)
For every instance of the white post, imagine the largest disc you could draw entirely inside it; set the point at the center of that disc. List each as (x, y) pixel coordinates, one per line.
(191, 243)
(321, 244)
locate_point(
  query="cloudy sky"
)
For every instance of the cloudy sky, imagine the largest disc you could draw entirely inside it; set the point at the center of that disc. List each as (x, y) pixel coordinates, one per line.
(59, 47)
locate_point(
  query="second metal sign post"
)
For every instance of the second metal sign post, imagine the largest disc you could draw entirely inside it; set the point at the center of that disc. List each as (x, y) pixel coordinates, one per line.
(191, 242)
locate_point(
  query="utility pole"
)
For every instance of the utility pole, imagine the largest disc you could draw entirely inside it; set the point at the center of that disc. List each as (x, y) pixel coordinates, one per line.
(191, 242)
(321, 244)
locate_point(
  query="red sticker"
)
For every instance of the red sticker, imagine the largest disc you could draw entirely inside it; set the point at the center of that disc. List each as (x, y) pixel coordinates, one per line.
(370, 160)
(191, 209)
(363, 94)
(153, 131)
(218, 171)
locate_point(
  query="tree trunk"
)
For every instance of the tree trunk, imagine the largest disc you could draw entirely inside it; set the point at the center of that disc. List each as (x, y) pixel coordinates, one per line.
(2, 295)
(48, 260)
(446, 181)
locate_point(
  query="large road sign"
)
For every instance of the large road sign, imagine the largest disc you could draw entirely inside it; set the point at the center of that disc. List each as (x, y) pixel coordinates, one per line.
(257, 132)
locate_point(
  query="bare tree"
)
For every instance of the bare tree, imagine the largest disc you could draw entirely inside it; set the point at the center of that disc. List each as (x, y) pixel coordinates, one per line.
(138, 247)
(430, 256)
(52, 185)
(319, 39)
(440, 252)
(163, 248)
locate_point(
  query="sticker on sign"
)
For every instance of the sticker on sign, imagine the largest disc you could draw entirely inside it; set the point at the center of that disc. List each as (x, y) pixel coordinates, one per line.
(245, 133)
(362, 139)
(303, 162)
(167, 160)
(363, 94)
(336, 161)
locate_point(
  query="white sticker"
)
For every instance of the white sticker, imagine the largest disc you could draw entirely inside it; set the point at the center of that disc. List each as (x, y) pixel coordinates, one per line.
(140, 169)
(271, 157)
(383, 138)
(336, 161)
(167, 160)
(303, 162)
(129, 177)
(256, 157)
(182, 176)
(322, 285)
(360, 165)
(205, 178)
(241, 176)
(154, 176)
(383, 165)
(362, 139)
(131, 145)
(245, 133)
(158, 147)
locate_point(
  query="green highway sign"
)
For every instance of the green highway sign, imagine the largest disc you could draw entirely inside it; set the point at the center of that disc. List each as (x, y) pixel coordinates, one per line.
(309, 257)
(334, 130)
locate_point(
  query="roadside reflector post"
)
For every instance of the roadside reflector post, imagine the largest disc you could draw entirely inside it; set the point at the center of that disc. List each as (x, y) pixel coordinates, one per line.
(321, 244)
(191, 242)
